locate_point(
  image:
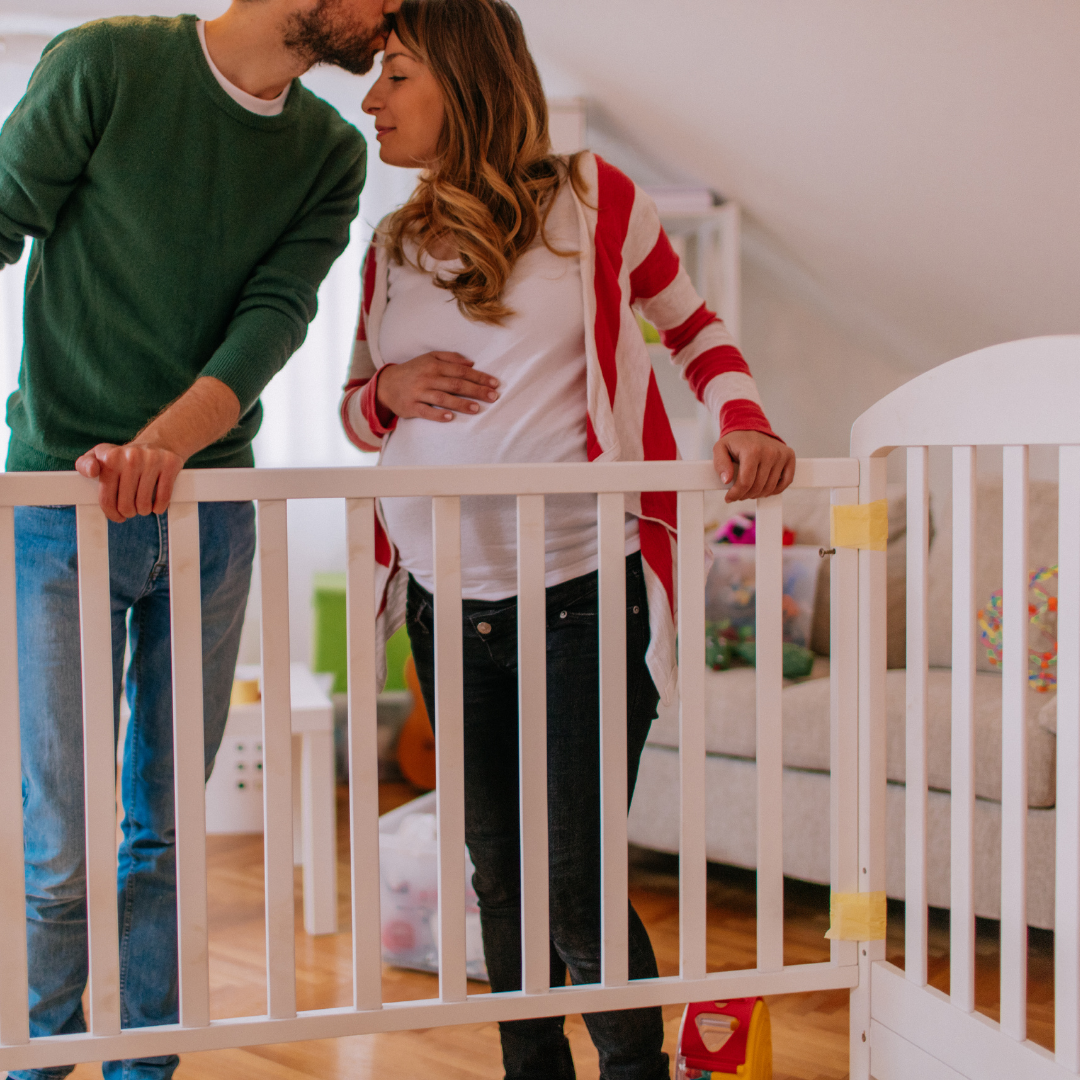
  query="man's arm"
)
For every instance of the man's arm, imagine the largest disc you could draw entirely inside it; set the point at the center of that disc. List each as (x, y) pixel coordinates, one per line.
(269, 324)
(138, 478)
(48, 139)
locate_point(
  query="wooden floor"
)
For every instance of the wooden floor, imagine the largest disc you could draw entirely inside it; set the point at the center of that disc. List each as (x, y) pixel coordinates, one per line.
(809, 1030)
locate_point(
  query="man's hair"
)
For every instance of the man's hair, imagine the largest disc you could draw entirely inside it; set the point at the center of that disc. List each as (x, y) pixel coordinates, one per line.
(494, 178)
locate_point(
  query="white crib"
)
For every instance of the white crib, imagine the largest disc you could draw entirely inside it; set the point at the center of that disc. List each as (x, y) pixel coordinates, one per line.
(900, 1028)
(1013, 396)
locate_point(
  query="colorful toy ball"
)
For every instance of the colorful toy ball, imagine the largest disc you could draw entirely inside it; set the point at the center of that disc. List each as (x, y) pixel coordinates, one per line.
(1042, 629)
(725, 1038)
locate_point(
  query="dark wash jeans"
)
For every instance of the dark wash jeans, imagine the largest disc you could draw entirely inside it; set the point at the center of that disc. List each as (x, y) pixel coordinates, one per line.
(629, 1041)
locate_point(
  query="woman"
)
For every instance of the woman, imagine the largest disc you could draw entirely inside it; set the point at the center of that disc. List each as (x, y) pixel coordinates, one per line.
(497, 326)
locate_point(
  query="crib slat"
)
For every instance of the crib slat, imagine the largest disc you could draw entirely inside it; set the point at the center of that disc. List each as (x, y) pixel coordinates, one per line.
(99, 755)
(532, 745)
(1067, 862)
(363, 754)
(450, 746)
(692, 884)
(962, 884)
(189, 759)
(277, 759)
(918, 540)
(1014, 606)
(844, 724)
(769, 594)
(614, 920)
(14, 1021)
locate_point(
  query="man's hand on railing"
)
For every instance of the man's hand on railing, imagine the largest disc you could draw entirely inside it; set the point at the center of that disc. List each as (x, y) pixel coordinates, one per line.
(137, 478)
(758, 464)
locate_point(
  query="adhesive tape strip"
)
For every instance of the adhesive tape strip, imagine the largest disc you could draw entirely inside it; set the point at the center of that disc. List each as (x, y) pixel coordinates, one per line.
(857, 916)
(864, 526)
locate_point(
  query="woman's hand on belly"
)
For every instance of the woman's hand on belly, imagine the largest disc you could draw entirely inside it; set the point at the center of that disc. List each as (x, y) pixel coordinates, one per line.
(434, 387)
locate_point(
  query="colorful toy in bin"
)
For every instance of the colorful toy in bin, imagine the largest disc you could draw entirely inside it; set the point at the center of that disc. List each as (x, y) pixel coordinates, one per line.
(742, 529)
(725, 1038)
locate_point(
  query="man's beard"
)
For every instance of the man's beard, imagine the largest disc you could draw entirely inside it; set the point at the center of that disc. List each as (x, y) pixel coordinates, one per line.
(322, 36)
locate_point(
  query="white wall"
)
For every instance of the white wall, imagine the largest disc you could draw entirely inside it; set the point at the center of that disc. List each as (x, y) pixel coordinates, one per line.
(920, 158)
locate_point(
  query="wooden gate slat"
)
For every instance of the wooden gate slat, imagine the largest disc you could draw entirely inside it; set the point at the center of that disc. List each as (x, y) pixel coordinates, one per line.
(769, 596)
(1067, 858)
(189, 757)
(614, 919)
(1014, 683)
(14, 1015)
(915, 795)
(363, 754)
(277, 759)
(449, 746)
(962, 850)
(692, 880)
(532, 744)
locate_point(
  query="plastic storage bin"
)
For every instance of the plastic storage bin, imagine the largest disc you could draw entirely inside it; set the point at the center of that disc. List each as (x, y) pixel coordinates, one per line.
(409, 892)
(730, 592)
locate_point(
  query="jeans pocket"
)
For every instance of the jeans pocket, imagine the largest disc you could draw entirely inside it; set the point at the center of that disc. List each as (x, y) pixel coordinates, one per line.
(419, 616)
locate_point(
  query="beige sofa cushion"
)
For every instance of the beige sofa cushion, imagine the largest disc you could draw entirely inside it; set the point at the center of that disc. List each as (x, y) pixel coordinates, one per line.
(730, 728)
(806, 734)
(730, 712)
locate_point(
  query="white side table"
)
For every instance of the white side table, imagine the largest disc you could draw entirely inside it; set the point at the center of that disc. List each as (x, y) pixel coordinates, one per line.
(234, 791)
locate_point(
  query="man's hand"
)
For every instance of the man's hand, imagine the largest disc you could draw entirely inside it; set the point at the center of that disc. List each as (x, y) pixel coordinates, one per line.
(434, 386)
(135, 478)
(138, 477)
(765, 465)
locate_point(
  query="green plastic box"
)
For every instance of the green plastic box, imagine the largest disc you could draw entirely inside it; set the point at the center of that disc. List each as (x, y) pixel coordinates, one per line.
(328, 649)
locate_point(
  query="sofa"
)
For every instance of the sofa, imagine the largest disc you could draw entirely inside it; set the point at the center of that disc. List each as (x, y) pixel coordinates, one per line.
(731, 834)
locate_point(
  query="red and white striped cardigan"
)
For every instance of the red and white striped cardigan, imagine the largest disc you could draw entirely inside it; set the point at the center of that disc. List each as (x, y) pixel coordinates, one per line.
(627, 265)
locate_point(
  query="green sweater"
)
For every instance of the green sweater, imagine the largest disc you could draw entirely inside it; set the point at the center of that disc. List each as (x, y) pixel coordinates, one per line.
(176, 235)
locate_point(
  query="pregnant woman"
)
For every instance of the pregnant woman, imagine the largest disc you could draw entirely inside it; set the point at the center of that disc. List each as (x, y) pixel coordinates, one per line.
(498, 325)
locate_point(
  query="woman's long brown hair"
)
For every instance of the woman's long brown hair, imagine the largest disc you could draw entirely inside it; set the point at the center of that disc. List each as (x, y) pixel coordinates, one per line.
(489, 190)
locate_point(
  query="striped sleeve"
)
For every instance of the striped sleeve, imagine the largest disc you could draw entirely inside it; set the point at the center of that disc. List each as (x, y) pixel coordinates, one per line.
(700, 344)
(359, 408)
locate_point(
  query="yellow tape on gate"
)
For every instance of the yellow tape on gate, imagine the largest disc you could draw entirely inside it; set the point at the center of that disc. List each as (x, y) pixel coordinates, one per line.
(858, 916)
(864, 526)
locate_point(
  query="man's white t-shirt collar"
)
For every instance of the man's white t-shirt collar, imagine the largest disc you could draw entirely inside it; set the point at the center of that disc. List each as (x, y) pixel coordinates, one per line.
(262, 106)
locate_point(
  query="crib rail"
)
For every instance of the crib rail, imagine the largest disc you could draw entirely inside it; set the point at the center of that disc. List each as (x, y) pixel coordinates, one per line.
(359, 487)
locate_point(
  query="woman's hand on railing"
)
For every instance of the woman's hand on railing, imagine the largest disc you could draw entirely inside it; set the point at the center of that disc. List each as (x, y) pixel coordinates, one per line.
(756, 465)
(434, 387)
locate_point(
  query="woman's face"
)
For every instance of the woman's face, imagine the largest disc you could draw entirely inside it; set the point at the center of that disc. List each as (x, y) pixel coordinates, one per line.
(408, 108)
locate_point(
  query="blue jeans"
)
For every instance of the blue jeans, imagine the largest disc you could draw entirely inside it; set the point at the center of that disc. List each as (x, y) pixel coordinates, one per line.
(629, 1041)
(50, 706)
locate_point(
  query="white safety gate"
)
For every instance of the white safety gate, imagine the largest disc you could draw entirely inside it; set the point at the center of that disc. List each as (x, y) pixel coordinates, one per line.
(359, 487)
(1014, 396)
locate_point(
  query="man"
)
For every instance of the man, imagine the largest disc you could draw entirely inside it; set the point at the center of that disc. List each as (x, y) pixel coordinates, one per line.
(186, 197)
